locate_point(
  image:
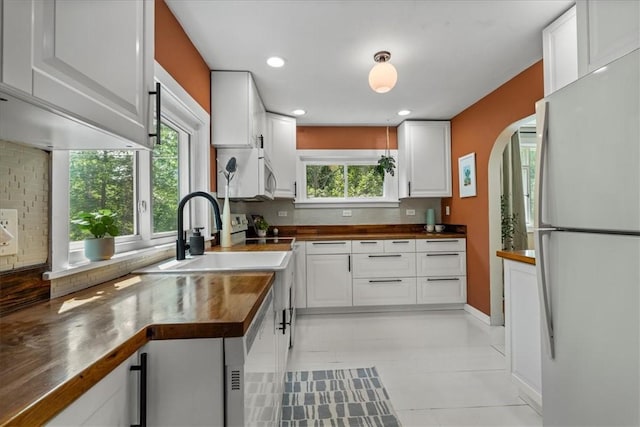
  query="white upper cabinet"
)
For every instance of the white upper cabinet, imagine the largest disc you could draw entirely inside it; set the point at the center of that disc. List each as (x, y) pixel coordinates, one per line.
(237, 112)
(424, 159)
(280, 149)
(92, 61)
(607, 30)
(560, 52)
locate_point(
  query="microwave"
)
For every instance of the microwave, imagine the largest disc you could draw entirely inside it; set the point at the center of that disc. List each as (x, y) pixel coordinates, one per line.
(254, 178)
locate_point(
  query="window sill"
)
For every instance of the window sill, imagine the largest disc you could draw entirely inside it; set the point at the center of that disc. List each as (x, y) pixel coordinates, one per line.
(350, 204)
(117, 258)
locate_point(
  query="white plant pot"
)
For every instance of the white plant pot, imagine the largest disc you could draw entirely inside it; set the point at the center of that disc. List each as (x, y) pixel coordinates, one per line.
(99, 249)
(262, 233)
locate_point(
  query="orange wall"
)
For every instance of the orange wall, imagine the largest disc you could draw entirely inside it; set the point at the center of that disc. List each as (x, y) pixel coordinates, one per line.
(175, 52)
(345, 137)
(476, 130)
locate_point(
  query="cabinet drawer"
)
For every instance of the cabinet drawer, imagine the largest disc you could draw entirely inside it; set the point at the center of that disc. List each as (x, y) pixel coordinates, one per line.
(440, 245)
(329, 247)
(441, 264)
(400, 245)
(384, 291)
(367, 246)
(442, 290)
(384, 265)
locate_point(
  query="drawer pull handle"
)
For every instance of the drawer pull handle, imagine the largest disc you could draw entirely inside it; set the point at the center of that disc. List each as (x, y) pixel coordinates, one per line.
(369, 242)
(400, 241)
(444, 279)
(328, 243)
(142, 395)
(385, 256)
(386, 281)
(444, 254)
(442, 241)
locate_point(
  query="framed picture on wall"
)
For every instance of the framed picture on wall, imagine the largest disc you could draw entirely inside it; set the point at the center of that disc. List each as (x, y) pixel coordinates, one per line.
(467, 175)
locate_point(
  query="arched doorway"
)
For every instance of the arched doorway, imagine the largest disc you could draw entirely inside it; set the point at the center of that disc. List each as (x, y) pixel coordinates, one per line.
(496, 286)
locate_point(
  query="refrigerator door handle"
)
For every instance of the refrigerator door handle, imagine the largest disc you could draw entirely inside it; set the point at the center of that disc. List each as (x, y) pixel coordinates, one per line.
(543, 119)
(543, 290)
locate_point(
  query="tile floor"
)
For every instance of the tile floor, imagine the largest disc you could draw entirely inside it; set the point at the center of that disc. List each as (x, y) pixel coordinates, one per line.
(441, 368)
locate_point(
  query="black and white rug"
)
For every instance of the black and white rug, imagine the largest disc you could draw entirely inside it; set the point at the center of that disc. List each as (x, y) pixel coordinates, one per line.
(337, 398)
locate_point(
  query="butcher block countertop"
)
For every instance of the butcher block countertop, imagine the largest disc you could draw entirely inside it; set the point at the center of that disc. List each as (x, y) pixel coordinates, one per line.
(527, 256)
(53, 352)
(382, 236)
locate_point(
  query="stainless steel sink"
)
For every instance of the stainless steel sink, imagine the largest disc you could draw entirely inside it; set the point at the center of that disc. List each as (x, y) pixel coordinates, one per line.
(223, 261)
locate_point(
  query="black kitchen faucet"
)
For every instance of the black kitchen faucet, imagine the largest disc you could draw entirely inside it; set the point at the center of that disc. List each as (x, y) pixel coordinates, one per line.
(181, 243)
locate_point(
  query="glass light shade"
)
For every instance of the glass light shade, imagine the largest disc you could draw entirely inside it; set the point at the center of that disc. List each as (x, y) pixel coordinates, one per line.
(383, 77)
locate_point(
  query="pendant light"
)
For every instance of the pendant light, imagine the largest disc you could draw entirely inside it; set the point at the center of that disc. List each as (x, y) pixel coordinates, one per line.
(383, 76)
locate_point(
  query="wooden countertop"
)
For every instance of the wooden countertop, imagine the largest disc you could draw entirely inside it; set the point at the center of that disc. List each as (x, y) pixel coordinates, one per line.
(380, 236)
(527, 256)
(55, 351)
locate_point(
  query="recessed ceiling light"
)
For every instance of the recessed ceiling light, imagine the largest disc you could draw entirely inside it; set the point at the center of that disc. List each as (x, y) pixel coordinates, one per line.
(275, 62)
(298, 112)
(404, 112)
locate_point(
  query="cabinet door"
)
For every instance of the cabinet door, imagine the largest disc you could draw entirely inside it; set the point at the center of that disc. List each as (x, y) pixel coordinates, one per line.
(424, 156)
(329, 281)
(257, 115)
(95, 61)
(607, 30)
(384, 265)
(280, 149)
(231, 121)
(442, 290)
(560, 52)
(111, 402)
(384, 291)
(185, 382)
(16, 37)
(441, 264)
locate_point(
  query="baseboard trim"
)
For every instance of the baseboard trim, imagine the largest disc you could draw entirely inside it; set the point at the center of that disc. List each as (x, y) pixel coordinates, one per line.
(477, 314)
(377, 309)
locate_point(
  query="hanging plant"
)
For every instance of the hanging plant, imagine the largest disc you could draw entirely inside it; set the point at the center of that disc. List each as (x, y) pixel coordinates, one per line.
(386, 162)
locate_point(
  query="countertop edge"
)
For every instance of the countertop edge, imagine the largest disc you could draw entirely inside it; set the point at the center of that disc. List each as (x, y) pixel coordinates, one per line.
(520, 256)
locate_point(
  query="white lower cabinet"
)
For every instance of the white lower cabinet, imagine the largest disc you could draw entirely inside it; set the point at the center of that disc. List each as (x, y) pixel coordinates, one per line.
(522, 330)
(185, 382)
(329, 280)
(386, 272)
(113, 401)
(300, 275)
(329, 273)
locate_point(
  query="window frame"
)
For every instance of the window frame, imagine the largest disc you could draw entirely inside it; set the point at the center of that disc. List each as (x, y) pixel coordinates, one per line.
(179, 109)
(527, 143)
(344, 157)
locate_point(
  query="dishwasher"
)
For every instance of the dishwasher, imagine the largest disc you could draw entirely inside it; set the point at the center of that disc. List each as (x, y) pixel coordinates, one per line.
(251, 390)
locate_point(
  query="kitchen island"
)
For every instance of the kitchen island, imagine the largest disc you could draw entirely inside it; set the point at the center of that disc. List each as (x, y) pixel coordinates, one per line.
(52, 353)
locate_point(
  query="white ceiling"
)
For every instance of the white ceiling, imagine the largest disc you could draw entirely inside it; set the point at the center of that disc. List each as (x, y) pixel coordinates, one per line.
(448, 54)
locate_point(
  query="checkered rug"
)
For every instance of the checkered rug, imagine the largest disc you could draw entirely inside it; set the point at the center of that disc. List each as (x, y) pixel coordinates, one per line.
(336, 398)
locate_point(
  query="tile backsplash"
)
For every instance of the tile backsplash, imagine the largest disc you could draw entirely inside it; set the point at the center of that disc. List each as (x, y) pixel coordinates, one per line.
(333, 216)
(24, 186)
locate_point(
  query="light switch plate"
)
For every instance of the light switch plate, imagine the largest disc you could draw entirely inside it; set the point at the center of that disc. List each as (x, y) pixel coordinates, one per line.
(346, 213)
(282, 213)
(9, 221)
(411, 212)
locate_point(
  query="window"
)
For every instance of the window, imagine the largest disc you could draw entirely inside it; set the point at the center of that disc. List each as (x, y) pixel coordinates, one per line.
(102, 180)
(143, 187)
(528, 161)
(344, 177)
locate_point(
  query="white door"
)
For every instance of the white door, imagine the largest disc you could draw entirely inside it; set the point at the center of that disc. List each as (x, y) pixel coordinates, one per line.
(594, 287)
(329, 281)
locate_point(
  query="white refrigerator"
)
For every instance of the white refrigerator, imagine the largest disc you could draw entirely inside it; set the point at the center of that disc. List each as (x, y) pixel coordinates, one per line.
(588, 248)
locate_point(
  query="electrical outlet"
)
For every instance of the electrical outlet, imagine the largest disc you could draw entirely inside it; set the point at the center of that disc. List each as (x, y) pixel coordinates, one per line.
(447, 210)
(346, 213)
(282, 213)
(9, 234)
(411, 212)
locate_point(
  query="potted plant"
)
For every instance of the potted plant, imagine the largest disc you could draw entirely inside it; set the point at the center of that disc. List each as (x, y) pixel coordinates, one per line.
(262, 226)
(386, 162)
(101, 224)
